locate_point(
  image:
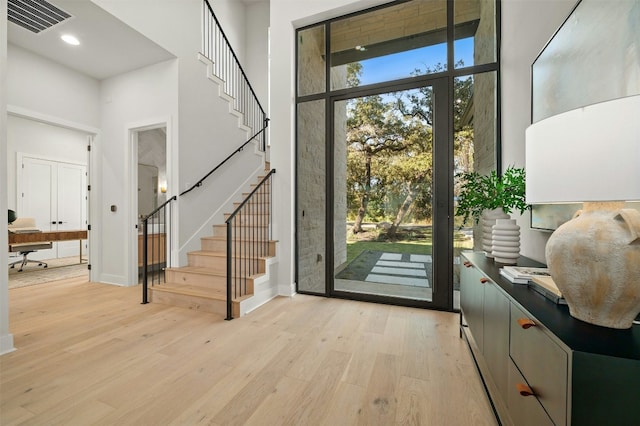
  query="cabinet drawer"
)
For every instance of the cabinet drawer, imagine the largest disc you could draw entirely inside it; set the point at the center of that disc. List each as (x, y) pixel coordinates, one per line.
(524, 410)
(472, 300)
(542, 363)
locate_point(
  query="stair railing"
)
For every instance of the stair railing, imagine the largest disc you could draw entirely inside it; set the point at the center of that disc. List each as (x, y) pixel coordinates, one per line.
(156, 237)
(226, 66)
(248, 241)
(201, 181)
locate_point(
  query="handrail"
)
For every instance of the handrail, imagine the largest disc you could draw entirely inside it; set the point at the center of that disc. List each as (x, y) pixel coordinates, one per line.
(213, 15)
(244, 101)
(248, 239)
(235, 212)
(160, 207)
(199, 183)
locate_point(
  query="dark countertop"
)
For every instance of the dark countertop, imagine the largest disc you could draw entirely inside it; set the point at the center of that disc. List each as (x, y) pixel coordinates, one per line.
(575, 334)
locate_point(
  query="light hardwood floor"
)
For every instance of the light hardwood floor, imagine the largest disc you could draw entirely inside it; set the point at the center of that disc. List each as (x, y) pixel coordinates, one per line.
(91, 354)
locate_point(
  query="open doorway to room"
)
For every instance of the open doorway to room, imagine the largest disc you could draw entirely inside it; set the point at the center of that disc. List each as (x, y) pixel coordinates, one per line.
(150, 146)
(48, 183)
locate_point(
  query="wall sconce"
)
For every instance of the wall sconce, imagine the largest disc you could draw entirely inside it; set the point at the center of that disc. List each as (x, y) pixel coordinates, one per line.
(163, 188)
(592, 155)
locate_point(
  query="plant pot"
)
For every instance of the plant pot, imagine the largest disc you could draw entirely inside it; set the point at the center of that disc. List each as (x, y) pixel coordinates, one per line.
(488, 219)
(506, 241)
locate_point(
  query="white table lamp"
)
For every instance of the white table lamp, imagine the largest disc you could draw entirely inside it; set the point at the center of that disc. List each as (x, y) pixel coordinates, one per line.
(592, 155)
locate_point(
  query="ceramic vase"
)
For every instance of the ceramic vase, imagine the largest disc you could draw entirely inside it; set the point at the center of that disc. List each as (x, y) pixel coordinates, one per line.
(594, 260)
(506, 241)
(487, 220)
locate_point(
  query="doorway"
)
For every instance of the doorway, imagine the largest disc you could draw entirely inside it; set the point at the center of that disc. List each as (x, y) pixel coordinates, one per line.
(386, 157)
(48, 182)
(149, 173)
(424, 60)
(54, 193)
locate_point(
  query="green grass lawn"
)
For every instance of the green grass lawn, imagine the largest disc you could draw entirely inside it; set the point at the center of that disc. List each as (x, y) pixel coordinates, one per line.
(412, 242)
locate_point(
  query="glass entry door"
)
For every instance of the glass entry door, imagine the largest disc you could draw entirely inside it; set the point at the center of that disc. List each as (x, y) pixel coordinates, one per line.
(389, 206)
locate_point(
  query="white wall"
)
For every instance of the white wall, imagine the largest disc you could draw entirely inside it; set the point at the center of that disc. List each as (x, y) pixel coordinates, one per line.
(40, 140)
(43, 86)
(232, 18)
(207, 132)
(257, 49)
(526, 28)
(145, 96)
(6, 338)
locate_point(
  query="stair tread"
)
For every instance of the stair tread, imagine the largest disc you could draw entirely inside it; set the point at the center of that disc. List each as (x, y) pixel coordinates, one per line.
(209, 252)
(244, 225)
(223, 254)
(189, 290)
(224, 238)
(197, 270)
(210, 272)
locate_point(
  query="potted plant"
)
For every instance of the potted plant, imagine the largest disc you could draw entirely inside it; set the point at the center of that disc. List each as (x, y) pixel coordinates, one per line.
(492, 197)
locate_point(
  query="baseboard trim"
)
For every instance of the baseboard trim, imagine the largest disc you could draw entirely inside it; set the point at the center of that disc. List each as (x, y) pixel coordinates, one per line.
(6, 344)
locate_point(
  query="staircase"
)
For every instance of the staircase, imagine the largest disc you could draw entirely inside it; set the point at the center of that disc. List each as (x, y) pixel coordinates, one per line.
(229, 275)
(202, 284)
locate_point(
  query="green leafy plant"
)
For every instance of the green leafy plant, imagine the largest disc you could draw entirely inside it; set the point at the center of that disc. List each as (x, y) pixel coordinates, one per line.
(479, 193)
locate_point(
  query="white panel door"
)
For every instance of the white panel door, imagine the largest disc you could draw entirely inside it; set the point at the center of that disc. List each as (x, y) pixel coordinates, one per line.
(71, 205)
(54, 193)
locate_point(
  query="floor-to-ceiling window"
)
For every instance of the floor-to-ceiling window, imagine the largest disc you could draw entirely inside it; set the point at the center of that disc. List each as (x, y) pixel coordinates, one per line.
(392, 103)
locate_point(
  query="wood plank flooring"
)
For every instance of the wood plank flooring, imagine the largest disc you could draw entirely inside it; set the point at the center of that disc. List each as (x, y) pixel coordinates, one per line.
(92, 354)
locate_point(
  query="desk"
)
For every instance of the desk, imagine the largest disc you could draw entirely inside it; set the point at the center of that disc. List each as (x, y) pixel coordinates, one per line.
(37, 237)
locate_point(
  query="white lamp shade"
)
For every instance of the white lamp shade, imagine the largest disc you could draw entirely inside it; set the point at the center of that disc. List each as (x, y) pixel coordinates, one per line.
(587, 154)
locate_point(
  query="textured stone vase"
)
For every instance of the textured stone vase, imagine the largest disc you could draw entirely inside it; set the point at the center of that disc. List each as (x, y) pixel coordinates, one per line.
(594, 259)
(505, 241)
(488, 219)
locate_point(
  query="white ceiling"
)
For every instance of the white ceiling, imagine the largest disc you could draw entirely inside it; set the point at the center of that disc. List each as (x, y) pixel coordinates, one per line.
(107, 47)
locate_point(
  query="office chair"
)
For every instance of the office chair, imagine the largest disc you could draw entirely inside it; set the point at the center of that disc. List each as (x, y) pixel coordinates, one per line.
(25, 225)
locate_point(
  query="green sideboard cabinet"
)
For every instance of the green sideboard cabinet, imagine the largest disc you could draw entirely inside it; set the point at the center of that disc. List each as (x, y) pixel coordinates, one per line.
(541, 366)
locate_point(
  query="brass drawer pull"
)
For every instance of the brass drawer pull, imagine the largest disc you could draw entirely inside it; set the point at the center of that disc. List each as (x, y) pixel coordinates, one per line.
(524, 389)
(467, 264)
(484, 280)
(526, 323)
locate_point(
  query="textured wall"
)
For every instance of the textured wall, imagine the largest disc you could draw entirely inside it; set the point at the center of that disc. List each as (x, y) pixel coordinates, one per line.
(311, 196)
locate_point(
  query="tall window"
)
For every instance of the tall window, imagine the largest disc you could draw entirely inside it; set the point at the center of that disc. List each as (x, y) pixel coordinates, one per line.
(388, 69)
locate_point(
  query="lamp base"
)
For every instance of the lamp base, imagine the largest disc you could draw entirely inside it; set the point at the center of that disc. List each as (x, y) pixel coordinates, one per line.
(594, 259)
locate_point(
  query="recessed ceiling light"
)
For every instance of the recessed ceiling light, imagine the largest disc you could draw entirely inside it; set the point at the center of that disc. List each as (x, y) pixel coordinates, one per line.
(68, 38)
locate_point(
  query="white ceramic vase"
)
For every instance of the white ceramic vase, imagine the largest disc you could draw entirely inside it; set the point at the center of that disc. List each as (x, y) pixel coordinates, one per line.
(594, 260)
(506, 241)
(488, 219)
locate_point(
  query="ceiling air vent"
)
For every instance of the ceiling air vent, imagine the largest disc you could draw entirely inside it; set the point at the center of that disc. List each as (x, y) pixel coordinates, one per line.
(35, 15)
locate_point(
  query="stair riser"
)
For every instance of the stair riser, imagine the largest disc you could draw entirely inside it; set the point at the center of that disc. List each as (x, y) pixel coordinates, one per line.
(241, 248)
(221, 230)
(188, 301)
(215, 284)
(218, 264)
(250, 219)
(216, 287)
(256, 207)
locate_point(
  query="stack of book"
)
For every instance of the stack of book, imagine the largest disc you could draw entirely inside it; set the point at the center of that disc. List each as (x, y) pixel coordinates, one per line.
(523, 274)
(546, 287)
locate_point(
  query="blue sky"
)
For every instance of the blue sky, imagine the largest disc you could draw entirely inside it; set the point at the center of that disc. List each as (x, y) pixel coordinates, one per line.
(401, 65)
